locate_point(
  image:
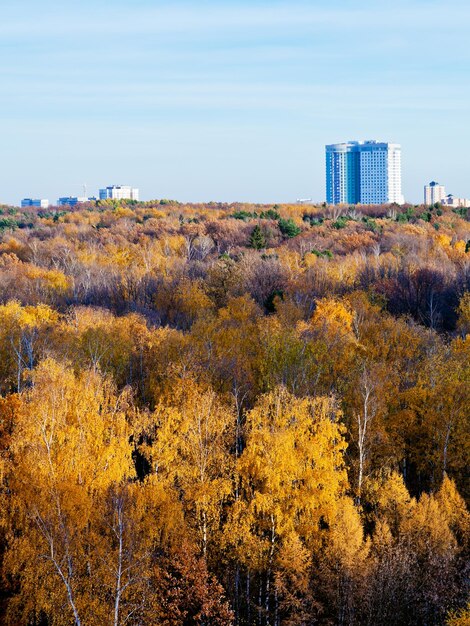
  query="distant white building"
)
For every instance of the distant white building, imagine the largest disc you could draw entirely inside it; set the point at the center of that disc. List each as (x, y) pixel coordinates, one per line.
(433, 193)
(41, 203)
(119, 192)
(73, 200)
(456, 203)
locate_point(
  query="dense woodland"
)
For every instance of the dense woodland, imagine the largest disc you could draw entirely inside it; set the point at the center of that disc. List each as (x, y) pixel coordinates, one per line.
(234, 414)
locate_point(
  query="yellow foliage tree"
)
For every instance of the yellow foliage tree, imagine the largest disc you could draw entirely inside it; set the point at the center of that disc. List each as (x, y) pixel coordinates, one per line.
(455, 511)
(190, 434)
(292, 468)
(343, 560)
(335, 318)
(70, 446)
(292, 474)
(23, 332)
(389, 500)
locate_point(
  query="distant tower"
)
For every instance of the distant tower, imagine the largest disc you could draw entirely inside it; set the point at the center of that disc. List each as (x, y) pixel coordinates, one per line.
(342, 173)
(434, 193)
(363, 172)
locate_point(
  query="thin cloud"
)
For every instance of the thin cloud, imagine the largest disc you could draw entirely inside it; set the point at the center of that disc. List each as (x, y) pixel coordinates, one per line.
(199, 19)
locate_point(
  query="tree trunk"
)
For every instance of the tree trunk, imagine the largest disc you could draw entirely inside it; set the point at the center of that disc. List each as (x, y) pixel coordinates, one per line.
(248, 599)
(120, 530)
(445, 450)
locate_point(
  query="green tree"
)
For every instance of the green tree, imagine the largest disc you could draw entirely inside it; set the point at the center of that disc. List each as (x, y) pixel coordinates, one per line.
(288, 228)
(257, 238)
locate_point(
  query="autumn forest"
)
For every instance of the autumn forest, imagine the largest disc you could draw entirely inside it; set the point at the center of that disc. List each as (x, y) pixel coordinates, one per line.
(240, 415)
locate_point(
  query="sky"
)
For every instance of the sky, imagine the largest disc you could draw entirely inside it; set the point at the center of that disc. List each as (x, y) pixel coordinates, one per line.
(228, 100)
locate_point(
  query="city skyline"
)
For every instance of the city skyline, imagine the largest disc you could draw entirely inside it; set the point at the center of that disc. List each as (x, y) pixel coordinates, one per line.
(344, 181)
(228, 101)
(357, 172)
(111, 192)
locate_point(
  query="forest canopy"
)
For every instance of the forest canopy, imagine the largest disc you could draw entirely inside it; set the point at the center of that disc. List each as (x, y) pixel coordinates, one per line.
(234, 414)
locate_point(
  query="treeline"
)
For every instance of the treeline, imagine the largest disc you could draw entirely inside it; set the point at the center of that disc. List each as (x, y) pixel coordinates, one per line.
(411, 261)
(235, 415)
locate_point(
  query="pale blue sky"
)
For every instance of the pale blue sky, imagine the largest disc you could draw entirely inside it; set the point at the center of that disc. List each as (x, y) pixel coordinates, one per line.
(228, 100)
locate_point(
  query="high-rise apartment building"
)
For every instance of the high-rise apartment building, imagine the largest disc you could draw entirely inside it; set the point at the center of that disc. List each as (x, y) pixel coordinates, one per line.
(119, 192)
(363, 172)
(342, 173)
(434, 193)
